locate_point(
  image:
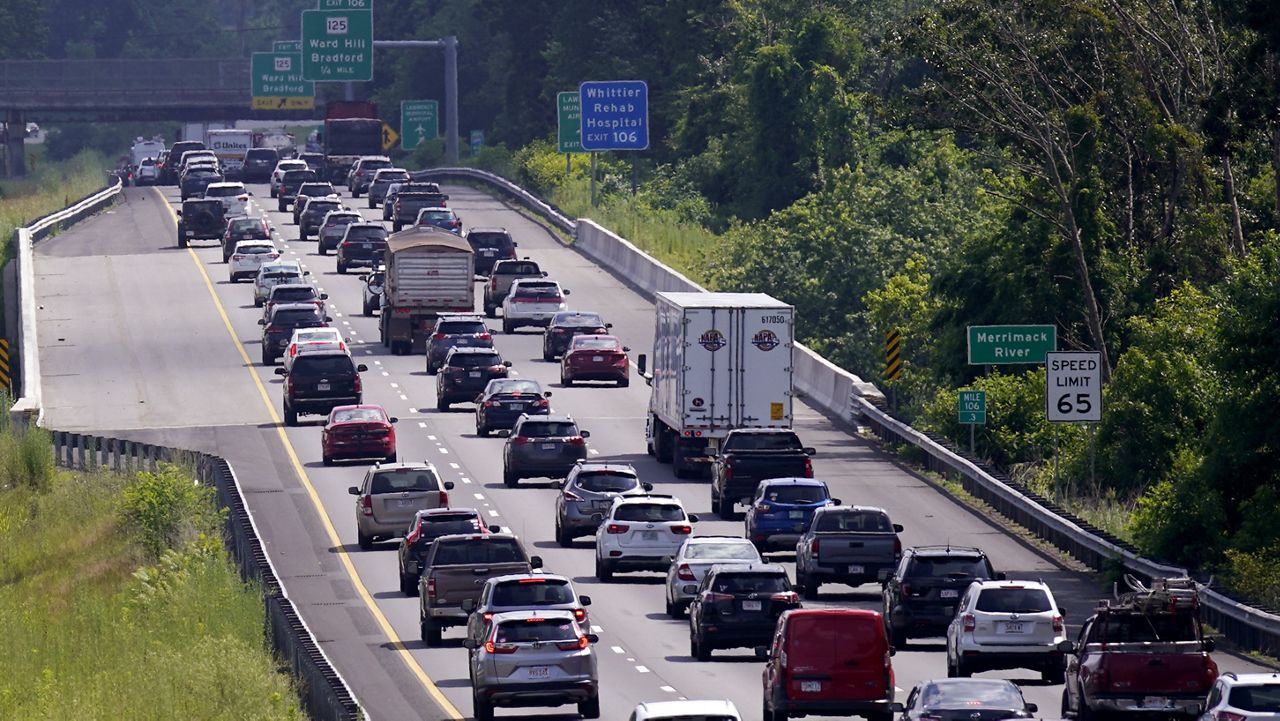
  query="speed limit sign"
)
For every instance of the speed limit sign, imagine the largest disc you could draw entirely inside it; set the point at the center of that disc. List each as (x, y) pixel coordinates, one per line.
(1073, 387)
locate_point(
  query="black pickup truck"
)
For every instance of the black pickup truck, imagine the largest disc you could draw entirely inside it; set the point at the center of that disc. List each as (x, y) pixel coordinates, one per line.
(405, 210)
(749, 455)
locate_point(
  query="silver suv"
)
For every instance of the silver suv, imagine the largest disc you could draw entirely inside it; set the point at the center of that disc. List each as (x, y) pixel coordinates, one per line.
(533, 658)
(390, 496)
(588, 493)
(523, 592)
(548, 446)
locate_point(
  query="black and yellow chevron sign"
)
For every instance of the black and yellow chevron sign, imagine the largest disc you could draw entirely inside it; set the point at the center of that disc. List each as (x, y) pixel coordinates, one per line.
(4, 367)
(893, 355)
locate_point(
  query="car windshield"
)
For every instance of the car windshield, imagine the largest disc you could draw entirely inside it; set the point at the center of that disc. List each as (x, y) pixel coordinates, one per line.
(750, 583)
(516, 387)
(437, 215)
(765, 442)
(722, 551)
(288, 165)
(532, 592)
(944, 567)
(322, 206)
(261, 154)
(283, 276)
(444, 525)
(474, 360)
(649, 512)
(542, 293)
(462, 327)
(578, 320)
(528, 630)
(334, 365)
(501, 241)
(607, 481)
(517, 269)
(969, 694)
(290, 295)
(548, 429)
(365, 233)
(398, 480)
(317, 334)
(795, 494)
(199, 173)
(296, 176)
(290, 316)
(314, 189)
(245, 225)
(596, 344)
(352, 415)
(1148, 628)
(375, 164)
(855, 522)
(1014, 600)
(334, 220)
(256, 249)
(1256, 699)
(391, 176)
(470, 551)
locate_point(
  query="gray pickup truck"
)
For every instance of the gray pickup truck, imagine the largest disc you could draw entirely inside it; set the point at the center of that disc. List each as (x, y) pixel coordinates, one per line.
(847, 544)
(405, 209)
(455, 570)
(504, 273)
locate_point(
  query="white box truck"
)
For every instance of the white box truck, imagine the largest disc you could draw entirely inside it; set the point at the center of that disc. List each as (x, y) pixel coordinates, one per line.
(428, 272)
(721, 361)
(230, 145)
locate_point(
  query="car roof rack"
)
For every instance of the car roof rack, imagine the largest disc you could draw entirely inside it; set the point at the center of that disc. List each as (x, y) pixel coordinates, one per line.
(1164, 595)
(947, 548)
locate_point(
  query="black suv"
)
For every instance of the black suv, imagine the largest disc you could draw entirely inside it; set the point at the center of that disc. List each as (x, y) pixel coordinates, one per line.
(195, 180)
(258, 164)
(242, 227)
(464, 374)
(169, 171)
(564, 326)
(455, 329)
(737, 606)
(920, 597)
(290, 182)
(362, 245)
(201, 219)
(285, 319)
(311, 217)
(491, 245)
(427, 526)
(317, 383)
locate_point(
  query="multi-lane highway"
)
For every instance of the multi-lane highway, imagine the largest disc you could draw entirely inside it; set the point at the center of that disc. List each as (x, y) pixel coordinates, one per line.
(142, 340)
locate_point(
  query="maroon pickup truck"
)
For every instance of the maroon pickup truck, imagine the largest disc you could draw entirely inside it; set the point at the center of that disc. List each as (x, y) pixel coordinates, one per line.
(1144, 653)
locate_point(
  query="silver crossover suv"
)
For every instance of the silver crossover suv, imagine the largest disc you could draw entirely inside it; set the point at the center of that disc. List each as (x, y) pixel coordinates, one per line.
(533, 658)
(587, 494)
(390, 496)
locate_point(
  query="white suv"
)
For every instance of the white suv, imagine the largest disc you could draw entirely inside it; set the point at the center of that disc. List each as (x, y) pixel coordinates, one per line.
(233, 196)
(1007, 624)
(641, 533)
(531, 301)
(682, 710)
(1243, 697)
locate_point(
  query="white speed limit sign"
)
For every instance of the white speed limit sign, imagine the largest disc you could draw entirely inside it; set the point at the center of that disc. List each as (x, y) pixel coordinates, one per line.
(1073, 387)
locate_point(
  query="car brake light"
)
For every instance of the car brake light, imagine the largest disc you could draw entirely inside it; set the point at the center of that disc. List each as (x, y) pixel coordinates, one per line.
(577, 441)
(617, 528)
(808, 467)
(1229, 716)
(439, 336)
(682, 530)
(684, 573)
(544, 403)
(785, 597)
(897, 547)
(580, 614)
(237, 256)
(713, 597)
(488, 617)
(485, 336)
(571, 496)
(578, 645)
(488, 404)
(444, 498)
(288, 385)
(366, 507)
(728, 476)
(970, 623)
(906, 590)
(816, 547)
(1057, 624)
(520, 440)
(762, 507)
(359, 384)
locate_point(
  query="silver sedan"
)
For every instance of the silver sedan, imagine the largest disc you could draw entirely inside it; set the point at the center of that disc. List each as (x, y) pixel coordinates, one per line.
(691, 562)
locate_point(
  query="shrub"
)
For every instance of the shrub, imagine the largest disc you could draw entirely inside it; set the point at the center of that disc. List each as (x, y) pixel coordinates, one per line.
(168, 510)
(1181, 518)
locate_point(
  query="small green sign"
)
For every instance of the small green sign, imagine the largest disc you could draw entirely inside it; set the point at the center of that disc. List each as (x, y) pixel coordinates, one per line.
(346, 4)
(337, 45)
(973, 407)
(277, 83)
(569, 122)
(419, 122)
(286, 46)
(1011, 344)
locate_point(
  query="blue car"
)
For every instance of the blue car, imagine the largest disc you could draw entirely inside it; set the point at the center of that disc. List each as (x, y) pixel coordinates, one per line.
(504, 400)
(781, 510)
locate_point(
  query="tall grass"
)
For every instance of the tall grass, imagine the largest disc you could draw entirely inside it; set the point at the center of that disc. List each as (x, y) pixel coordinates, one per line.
(96, 627)
(50, 187)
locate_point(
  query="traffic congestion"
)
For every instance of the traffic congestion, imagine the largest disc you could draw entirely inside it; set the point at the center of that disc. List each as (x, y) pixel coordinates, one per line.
(818, 591)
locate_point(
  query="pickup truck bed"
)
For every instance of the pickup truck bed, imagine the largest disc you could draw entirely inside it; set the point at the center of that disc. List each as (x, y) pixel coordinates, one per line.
(455, 570)
(851, 545)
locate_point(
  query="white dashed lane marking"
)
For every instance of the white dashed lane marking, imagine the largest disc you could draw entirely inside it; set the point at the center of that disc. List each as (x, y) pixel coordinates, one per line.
(617, 649)
(421, 424)
(454, 466)
(492, 512)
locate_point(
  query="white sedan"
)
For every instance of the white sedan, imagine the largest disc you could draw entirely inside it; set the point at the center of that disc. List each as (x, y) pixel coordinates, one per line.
(313, 340)
(248, 256)
(234, 197)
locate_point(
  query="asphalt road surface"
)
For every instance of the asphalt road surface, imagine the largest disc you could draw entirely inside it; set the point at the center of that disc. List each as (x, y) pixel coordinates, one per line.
(145, 341)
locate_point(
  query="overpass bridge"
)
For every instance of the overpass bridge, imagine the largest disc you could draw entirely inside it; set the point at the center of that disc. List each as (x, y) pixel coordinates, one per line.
(126, 89)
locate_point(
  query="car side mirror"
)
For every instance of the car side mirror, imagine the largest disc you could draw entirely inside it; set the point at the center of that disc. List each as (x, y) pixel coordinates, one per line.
(897, 528)
(1062, 611)
(281, 372)
(448, 485)
(559, 484)
(1209, 645)
(608, 325)
(324, 296)
(566, 291)
(626, 349)
(544, 274)
(893, 651)
(584, 600)
(835, 501)
(495, 528)
(593, 638)
(586, 434)
(328, 319)
(693, 518)
(504, 432)
(306, 272)
(1000, 575)
(1032, 707)
(535, 561)
(506, 363)
(393, 419)
(896, 707)
(179, 213)
(810, 451)
(353, 490)
(362, 368)
(262, 321)
(468, 605)
(762, 651)
(469, 643)
(547, 394)
(647, 486)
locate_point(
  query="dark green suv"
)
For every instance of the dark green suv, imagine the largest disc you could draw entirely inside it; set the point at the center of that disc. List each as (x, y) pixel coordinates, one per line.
(201, 219)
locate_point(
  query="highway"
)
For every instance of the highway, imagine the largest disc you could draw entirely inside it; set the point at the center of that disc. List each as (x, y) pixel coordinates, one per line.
(145, 341)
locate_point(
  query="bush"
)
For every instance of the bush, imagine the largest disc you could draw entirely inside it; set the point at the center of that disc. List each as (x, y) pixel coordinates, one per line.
(26, 458)
(1256, 574)
(168, 509)
(1181, 518)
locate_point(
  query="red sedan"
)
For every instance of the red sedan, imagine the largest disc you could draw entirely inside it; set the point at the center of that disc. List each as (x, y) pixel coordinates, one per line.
(363, 431)
(595, 358)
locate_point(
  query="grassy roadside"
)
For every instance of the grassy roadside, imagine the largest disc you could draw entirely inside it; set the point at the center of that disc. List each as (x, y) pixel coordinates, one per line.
(118, 599)
(50, 187)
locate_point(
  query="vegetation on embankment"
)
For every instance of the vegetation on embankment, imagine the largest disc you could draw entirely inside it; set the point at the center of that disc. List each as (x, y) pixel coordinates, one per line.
(48, 187)
(118, 599)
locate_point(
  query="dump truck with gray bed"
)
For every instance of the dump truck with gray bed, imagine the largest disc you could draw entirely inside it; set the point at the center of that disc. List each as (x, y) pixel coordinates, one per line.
(428, 272)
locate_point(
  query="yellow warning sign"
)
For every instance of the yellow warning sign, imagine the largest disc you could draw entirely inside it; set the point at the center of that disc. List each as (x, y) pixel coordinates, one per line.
(389, 137)
(283, 102)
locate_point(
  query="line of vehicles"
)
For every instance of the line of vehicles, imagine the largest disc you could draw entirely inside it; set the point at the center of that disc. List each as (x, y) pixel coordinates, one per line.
(721, 408)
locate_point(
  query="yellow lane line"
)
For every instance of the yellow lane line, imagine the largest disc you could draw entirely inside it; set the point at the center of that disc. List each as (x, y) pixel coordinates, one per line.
(390, 632)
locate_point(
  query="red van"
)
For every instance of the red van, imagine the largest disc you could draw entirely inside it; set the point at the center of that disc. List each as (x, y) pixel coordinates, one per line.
(830, 662)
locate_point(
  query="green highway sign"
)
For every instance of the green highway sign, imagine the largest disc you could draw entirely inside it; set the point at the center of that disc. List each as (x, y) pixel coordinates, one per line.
(346, 4)
(277, 83)
(569, 122)
(419, 122)
(1011, 344)
(337, 45)
(286, 46)
(973, 407)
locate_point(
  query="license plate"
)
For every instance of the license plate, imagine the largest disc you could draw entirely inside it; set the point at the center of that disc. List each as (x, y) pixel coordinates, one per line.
(191, 232)
(649, 536)
(539, 671)
(488, 251)
(795, 514)
(322, 386)
(366, 246)
(1011, 628)
(811, 686)
(752, 606)
(548, 446)
(857, 570)
(1155, 702)
(406, 503)
(464, 341)
(949, 593)
(597, 359)
(474, 374)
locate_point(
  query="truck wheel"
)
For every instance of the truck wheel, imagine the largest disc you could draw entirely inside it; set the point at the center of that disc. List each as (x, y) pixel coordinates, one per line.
(395, 226)
(431, 632)
(408, 585)
(604, 571)
(509, 478)
(182, 241)
(808, 587)
(678, 464)
(342, 268)
(725, 509)
(365, 542)
(1053, 675)
(507, 327)
(371, 203)
(290, 416)
(564, 539)
(482, 431)
(481, 709)
(442, 405)
(267, 360)
(589, 708)
(662, 439)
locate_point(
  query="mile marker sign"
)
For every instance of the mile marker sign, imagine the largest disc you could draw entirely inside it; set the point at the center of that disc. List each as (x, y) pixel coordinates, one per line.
(1073, 387)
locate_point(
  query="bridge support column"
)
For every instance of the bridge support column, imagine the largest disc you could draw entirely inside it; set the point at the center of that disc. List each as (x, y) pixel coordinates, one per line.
(15, 150)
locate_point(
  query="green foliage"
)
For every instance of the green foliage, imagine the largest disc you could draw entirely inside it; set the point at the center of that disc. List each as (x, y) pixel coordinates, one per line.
(1256, 574)
(1181, 518)
(168, 509)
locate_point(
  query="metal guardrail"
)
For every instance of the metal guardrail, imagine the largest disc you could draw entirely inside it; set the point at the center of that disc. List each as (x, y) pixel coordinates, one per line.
(30, 405)
(1245, 625)
(324, 693)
